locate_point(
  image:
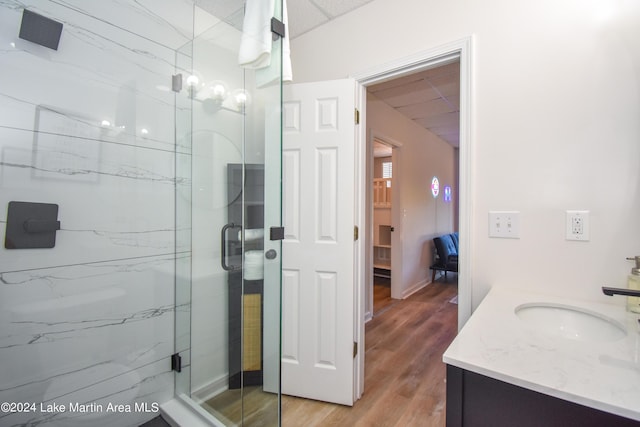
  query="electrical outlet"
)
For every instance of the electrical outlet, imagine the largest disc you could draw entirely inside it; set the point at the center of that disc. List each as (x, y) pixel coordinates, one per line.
(577, 225)
(504, 224)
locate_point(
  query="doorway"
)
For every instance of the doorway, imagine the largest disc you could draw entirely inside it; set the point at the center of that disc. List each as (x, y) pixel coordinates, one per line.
(383, 232)
(460, 50)
(421, 109)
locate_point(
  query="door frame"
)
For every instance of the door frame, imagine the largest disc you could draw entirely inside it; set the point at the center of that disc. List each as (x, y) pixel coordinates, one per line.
(461, 49)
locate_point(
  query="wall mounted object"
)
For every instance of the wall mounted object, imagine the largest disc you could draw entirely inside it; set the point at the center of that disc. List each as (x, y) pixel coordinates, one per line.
(31, 225)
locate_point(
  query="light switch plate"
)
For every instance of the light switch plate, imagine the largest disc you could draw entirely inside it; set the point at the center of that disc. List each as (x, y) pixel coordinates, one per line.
(504, 224)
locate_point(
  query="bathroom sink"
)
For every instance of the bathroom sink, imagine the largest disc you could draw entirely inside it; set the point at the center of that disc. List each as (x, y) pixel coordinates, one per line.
(570, 322)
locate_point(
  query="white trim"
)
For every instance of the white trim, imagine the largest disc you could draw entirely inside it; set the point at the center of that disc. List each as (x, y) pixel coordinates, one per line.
(462, 49)
(415, 288)
(360, 251)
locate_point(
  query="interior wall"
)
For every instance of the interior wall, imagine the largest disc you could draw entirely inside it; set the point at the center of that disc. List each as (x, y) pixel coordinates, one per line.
(422, 156)
(91, 319)
(555, 107)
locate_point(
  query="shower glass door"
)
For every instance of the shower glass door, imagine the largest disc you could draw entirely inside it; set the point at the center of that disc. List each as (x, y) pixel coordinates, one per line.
(228, 209)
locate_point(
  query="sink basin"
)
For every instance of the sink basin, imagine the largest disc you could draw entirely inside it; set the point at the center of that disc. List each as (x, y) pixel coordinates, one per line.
(570, 322)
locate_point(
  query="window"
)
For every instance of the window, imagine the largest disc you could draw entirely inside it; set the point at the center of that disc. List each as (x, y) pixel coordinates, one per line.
(387, 171)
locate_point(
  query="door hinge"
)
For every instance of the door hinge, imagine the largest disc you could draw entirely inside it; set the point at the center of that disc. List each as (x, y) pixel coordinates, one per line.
(355, 349)
(176, 362)
(357, 116)
(277, 28)
(356, 232)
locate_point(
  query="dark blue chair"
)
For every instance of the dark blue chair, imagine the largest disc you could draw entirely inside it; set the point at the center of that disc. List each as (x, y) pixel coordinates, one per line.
(446, 254)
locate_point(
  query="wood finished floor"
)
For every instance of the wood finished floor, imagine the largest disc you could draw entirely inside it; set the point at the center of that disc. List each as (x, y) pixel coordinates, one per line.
(404, 372)
(250, 407)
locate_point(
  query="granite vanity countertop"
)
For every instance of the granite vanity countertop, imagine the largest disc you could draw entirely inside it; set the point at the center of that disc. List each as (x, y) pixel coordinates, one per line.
(496, 343)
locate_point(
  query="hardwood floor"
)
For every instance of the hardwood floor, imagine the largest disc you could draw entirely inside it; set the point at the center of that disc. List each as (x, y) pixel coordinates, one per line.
(250, 407)
(382, 295)
(404, 372)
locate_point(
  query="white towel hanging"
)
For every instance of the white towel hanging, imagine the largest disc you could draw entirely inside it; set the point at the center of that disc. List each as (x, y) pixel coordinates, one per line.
(256, 42)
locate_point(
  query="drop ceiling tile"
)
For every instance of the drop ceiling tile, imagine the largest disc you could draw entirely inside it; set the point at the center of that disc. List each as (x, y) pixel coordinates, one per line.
(339, 7)
(409, 94)
(399, 81)
(443, 70)
(303, 16)
(448, 86)
(425, 109)
(221, 9)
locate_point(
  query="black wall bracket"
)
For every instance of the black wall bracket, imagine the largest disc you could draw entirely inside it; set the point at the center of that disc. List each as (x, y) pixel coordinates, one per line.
(31, 225)
(277, 28)
(176, 362)
(276, 233)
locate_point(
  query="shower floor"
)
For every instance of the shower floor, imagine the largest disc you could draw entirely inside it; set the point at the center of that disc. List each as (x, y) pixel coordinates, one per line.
(260, 408)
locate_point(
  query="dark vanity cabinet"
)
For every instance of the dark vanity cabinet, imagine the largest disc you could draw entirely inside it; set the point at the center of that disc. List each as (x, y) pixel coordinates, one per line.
(474, 400)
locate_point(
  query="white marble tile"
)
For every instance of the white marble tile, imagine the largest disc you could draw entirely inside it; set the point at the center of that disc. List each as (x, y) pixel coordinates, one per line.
(168, 23)
(124, 80)
(114, 201)
(65, 329)
(139, 392)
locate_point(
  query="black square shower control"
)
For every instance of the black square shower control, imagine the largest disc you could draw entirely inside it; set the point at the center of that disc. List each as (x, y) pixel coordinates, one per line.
(31, 225)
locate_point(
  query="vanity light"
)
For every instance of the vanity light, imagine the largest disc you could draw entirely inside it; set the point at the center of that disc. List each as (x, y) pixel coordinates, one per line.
(218, 90)
(240, 98)
(105, 124)
(193, 80)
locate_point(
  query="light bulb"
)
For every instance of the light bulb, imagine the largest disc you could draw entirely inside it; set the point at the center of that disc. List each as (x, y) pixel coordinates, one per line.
(193, 80)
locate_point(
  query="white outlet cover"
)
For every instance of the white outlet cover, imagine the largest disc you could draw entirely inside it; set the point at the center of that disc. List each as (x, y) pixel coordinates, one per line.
(504, 224)
(577, 226)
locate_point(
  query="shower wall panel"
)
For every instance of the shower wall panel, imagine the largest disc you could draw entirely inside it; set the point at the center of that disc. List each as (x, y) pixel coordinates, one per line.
(91, 127)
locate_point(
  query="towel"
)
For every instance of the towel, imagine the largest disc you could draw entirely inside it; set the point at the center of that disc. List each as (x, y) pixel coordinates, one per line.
(251, 234)
(256, 41)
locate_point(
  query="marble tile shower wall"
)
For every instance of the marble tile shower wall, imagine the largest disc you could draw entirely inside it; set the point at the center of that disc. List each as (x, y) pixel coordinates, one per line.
(91, 127)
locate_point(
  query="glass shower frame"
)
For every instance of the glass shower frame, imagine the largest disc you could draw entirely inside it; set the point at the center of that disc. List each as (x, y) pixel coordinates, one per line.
(228, 122)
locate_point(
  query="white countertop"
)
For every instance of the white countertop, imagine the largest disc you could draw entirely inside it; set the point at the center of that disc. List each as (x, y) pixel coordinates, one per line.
(496, 343)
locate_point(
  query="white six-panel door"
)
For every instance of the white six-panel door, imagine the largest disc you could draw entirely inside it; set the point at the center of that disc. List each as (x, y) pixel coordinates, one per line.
(318, 249)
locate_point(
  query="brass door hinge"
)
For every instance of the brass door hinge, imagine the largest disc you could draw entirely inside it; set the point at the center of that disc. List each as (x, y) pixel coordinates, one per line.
(356, 232)
(357, 116)
(355, 349)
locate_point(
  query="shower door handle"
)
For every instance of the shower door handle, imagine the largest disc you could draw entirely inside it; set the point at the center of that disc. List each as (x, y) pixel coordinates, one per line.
(223, 249)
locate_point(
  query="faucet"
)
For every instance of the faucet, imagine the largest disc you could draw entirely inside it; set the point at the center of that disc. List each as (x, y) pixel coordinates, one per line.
(635, 274)
(620, 291)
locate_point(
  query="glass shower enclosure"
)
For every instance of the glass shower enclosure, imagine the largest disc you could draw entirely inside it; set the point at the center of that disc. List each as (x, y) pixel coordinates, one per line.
(228, 216)
(141, 165)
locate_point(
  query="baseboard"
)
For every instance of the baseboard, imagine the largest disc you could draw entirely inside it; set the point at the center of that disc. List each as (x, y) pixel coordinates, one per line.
(415, 288)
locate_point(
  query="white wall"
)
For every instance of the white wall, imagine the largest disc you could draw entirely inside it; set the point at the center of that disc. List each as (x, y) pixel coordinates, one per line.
(555, 124)
(422, 156)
